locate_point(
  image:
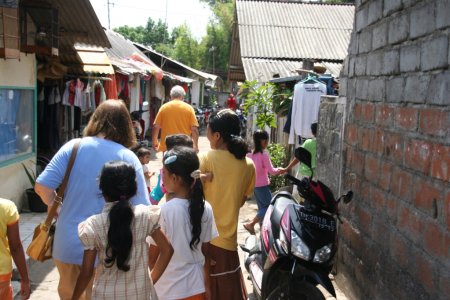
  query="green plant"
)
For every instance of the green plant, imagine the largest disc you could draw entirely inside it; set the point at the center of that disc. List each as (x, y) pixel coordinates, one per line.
(282, 98)
(278, 157)
(213, 100)
(30, 174)
(260, 97)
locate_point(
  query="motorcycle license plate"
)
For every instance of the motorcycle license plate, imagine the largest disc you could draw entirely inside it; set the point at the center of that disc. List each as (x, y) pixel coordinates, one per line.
(321, 222)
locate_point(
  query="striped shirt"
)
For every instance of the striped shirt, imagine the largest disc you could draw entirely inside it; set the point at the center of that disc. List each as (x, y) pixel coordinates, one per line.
(112, 283)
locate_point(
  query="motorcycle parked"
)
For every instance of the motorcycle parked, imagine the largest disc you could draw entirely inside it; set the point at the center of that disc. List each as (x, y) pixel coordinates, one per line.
(243, 121)
(297, 242)
(200, 114)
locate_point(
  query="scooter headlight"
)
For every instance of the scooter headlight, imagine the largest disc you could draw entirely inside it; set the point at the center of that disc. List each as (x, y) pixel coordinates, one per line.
(323, 254)
(283, 241)
(298, 247)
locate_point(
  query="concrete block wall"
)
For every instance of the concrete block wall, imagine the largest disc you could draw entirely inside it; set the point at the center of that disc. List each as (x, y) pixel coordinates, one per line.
(395, 241)
(330, 138)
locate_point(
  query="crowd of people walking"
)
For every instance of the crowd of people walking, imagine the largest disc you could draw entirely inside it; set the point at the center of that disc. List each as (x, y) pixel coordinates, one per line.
(111, 242)
(114, 240)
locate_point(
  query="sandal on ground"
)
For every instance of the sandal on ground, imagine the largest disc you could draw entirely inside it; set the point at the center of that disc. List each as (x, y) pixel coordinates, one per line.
(249, 228)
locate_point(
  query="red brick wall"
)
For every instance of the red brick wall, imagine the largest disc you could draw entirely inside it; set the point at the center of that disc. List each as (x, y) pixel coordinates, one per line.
(395, 241)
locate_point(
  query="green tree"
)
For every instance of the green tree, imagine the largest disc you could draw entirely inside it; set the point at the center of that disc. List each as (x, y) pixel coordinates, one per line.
(217, 42)
(186, 47)
(135, 34)
(157, 32)
(153, 34)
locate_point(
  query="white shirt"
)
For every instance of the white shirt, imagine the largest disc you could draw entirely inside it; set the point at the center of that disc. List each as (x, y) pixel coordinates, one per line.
(305, 109)
(145, 170)
(184, 276)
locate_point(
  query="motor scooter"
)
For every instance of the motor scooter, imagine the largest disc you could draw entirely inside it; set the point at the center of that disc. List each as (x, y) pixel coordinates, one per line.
(297, 242)
(242, 120)
(200, 115)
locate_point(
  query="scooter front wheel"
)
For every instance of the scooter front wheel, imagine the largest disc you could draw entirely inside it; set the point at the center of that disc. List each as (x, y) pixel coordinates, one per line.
(302, 290)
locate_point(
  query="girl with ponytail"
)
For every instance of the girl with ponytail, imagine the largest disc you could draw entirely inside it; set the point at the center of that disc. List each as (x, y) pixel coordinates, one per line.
(117, 236)
(188, 221)
(233, 179)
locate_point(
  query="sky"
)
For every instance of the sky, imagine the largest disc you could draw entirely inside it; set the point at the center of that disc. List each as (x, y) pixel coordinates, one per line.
(136, 12)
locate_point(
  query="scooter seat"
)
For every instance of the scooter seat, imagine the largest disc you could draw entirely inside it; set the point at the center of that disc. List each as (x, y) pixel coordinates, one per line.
(280, 205)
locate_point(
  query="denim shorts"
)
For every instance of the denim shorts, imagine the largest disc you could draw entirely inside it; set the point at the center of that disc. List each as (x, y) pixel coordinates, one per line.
(263, 196)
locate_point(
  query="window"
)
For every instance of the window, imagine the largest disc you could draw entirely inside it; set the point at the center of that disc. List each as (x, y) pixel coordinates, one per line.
(16, 122)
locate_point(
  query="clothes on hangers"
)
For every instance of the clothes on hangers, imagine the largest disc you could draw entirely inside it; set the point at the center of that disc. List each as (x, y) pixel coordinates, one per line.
(54, 96)
(287, 125)
(305, 107)
(110, 87)
(135, 91)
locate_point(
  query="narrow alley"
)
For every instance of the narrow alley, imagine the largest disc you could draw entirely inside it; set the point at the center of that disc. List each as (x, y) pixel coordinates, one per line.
(44, 276)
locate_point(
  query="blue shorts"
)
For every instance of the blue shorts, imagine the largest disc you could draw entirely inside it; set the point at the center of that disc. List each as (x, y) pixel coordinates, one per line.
(263, 197)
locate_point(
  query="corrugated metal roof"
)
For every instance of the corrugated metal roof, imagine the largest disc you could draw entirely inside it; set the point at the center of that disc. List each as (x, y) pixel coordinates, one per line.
(272, 37)
(201, 74)
(294, 30)
(127, 57)
(179, 78)
(263, 70)
(78, 23)
(79, 16)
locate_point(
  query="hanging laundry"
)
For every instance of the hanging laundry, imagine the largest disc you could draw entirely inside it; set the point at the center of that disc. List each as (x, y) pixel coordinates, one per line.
(65, 97)
(54, 96)
(79, 86)
(41, 96)
(135, 94)
(86, 107)
(305, 108)
(110, 87)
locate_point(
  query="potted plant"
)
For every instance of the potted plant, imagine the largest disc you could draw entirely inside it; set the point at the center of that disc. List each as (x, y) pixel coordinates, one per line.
(35, 202)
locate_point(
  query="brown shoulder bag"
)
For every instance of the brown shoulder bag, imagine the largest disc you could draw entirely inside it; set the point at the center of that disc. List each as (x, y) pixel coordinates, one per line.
(40, 248)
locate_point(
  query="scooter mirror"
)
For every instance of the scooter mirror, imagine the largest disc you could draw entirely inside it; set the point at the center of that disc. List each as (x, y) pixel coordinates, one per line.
(303, 155)
(348, 197)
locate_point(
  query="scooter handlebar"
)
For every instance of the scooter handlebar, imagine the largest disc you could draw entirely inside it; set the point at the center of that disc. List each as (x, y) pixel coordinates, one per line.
(294, 180)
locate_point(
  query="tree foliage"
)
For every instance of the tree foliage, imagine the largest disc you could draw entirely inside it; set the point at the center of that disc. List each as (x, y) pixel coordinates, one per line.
(153, 33)
(186, 47)
(260, 98)
(211, 52)
(217, 42)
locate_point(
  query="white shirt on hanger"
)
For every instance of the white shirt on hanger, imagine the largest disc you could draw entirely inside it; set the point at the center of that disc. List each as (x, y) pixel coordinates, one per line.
(305, 108)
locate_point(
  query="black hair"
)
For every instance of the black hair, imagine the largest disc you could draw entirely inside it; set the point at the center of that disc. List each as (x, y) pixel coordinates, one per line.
(314, 129)
(179, 140)
(259, 136)
(227, 123)
(135, 115)
(118, 184)
(184, 161)
(142, 151)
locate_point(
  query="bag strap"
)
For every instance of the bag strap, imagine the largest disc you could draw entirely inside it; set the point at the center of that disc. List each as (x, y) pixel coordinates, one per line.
(59, 196)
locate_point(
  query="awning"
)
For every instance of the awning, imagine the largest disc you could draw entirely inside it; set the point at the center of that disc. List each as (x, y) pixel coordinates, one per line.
(179, 78)
(94, 59)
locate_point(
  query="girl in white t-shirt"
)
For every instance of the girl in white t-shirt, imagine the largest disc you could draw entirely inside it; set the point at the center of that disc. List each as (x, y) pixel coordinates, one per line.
(188, 222)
